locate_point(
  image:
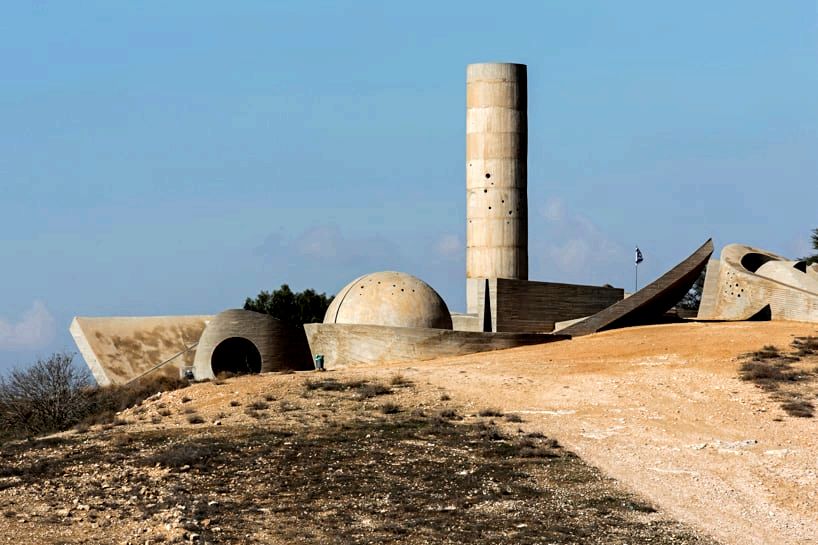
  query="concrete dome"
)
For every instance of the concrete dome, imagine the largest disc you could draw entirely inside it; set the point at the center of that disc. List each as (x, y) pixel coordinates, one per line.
(391, 299)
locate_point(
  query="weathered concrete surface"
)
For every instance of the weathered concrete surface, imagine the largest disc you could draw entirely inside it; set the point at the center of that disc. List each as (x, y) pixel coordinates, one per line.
(466, 322)
(389, 299)
(280, 345)
(749, 282)
(496, 174)
(119, 349)
(651, 302)
(523, 306)
(345, 344)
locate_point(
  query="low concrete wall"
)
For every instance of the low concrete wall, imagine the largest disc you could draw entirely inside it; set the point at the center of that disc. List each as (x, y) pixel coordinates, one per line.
(347, 344)
(523, 306)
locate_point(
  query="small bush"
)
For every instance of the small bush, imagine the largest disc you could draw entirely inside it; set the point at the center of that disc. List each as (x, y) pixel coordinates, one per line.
(286, 406)
(799, 408)
(164, 412)
(490, 412)
(490, 432)
(367, 390)
(805, 346)
(195, 419)
(186, 399)
(514, 418)
(445, 397)
(767, 352)
(235, 403)
(269, 397)
(390, 408)
(327, 385)
(399, 380)
(449, 414)
(258, 406)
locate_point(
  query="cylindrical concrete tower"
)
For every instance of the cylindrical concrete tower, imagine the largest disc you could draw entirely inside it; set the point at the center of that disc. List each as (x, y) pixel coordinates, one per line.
(496, 174)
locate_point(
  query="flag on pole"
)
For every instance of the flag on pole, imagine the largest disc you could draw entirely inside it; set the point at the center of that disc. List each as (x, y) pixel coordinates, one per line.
(639, 258)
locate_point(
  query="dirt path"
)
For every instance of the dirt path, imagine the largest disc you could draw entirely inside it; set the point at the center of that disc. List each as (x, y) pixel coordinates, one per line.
(661, 409)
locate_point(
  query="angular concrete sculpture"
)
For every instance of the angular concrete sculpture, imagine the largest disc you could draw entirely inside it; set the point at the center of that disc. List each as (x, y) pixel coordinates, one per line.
(389, 299)
(651, 302)
(242, 341)
(749, 283)
(119, 349)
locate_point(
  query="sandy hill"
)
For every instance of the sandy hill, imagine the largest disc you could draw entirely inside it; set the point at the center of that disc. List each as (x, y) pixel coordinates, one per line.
(469, 449)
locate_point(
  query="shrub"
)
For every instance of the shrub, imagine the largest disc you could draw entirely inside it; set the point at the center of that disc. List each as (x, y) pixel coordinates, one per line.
(514, 418)
(50, 395)
(104, 402)
(390, 408)
(195, 419)
(449, 414)
(365, 391)
(490, 412)
(399, 380)
(799, 408)
(258, 406)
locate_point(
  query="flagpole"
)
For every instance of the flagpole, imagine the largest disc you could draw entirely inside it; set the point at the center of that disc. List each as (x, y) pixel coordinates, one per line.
(635, 277)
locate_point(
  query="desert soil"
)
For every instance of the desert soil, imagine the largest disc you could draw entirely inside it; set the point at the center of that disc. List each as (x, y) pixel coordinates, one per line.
(662, 410)
(474, 449)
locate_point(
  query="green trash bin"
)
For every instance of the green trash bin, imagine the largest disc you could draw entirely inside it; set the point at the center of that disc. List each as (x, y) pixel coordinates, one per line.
(319, 362)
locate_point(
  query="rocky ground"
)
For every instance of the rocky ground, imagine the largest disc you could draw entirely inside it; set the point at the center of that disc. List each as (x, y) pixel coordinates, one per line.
(705, 431)
(337, 457)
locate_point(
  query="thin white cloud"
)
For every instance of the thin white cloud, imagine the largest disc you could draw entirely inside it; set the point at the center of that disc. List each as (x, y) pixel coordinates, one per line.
(450, 246)
(35, 329)
(576, 248)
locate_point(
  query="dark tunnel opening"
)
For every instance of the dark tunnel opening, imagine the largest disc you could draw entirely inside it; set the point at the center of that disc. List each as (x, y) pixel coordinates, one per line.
(237, 356)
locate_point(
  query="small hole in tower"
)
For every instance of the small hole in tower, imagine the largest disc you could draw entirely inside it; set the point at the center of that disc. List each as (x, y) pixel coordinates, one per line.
(489, 207)
(485, 191)
(488, 175)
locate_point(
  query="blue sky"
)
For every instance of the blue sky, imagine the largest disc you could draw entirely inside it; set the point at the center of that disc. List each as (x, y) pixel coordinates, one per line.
(176, 157)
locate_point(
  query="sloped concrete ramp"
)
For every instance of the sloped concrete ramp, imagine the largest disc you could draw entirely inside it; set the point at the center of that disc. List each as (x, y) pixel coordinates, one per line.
(119, 349)
(651, 302)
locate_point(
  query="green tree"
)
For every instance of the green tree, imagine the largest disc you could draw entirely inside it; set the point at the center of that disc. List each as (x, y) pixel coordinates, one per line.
(813, 258)
(693, 297)
(297, 308)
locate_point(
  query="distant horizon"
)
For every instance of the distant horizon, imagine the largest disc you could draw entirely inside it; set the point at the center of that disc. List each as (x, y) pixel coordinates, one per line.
(176, 159)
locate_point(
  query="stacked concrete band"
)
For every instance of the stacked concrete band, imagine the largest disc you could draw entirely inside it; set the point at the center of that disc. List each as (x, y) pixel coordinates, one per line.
(496, 175)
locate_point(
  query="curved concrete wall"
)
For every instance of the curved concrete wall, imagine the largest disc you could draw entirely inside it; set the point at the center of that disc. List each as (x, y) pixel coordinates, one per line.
(281, 345)
(496, 173)
(749, 281)
(787, 273)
